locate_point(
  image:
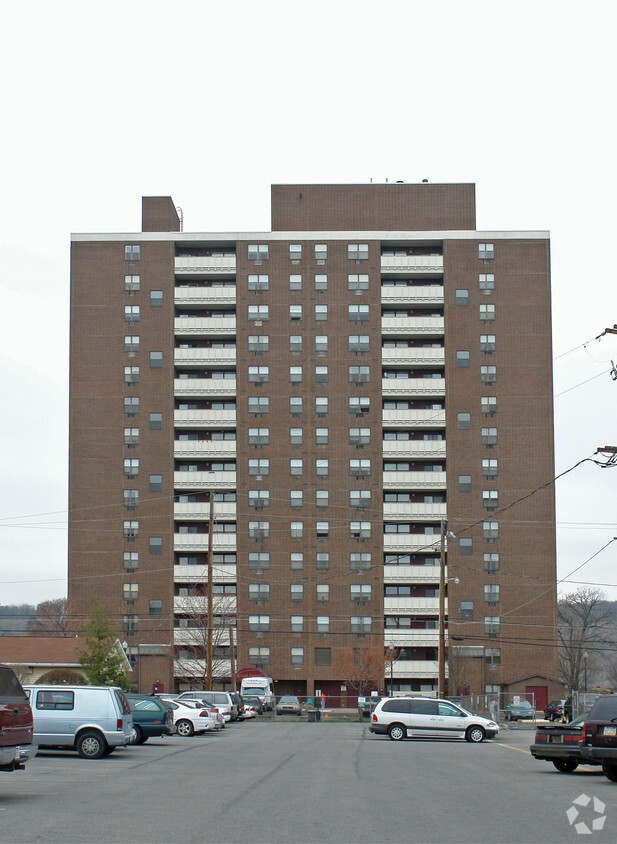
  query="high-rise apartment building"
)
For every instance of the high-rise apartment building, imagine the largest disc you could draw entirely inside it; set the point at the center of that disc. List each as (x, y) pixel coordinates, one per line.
(334, 389)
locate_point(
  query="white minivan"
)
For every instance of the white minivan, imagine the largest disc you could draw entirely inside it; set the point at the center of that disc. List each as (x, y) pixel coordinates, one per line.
(399, 717)
(93, 720)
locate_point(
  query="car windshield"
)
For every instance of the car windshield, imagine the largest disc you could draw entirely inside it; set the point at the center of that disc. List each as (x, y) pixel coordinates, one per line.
(254, 690)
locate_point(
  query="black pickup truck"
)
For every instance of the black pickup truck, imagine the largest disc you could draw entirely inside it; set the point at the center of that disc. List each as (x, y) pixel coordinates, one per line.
(599, 740)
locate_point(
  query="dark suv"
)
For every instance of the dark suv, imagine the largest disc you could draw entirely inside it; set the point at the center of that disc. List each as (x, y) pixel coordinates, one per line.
(15, 722)
(599, 742)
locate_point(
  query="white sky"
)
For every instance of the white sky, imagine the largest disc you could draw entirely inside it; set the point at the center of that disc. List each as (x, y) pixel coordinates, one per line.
(211, 103)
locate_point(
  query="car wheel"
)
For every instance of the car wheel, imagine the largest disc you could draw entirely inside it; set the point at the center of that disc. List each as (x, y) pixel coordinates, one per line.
(565, 766)
(138, 735)
(475, 734)
(142, 739)
(609, 769)
(397, 732)
(91, 745)
(184, 728)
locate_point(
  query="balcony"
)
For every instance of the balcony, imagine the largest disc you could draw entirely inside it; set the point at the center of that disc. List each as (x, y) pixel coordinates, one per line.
(416, 387)
(412, 325)
(198, 542)
(405, 668)
(204, 357)
(200, 510)
(221, 573)
(413, 355)
(196, 668)
(204, 326)
(413, 510)
(402, 542)
(205, 448)
(205, 265)
(414, 480)
(414, 418)
(204, 418)
(414, 448)
(198, 605)
(412, 574)
(196, 636)
(195, 387)
(394, 638)
(204, 480)
(205, 296)
(412, 295)
(412, 264)
(411, 606)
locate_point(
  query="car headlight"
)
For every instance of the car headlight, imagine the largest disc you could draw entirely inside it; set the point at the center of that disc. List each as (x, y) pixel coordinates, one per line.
(492, 724)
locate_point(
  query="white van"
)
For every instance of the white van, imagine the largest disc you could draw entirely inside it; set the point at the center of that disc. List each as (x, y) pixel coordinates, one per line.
(93, 720)
(261, 687)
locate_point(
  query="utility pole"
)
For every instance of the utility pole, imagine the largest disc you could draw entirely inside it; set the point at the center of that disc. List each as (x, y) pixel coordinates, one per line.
(232, 659)
(209, 631)
(441, 684)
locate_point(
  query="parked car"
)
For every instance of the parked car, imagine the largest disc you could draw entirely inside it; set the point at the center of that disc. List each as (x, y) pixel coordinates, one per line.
(599, 740)
(190, 719)
(369, 705)
(518, 710)
(93, 720)
(554, 711)
(16, 722)
(239, 701)
(213, 711)
(222, 700)
(253, 702)
(151, 717)
(400, 717)
(288, 705)
(559, 744)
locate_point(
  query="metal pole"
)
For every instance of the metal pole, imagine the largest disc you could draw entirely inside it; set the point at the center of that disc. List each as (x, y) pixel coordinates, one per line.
(209, 631)
(441, 686)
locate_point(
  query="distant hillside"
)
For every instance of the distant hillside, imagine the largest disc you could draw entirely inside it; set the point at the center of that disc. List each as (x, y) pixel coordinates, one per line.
(14, 619)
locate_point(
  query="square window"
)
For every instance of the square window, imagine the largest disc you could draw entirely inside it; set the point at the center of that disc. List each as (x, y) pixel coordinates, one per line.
(296, 530)
(490, 467)
(322, 498)
(322, 656)
(297, 657)
(462, 358)
(491, 593)
(360, 374)
(131, 560)
(132, 253)
(295, 436)
(131, 436)
(322, 560)
(321, 374)
(490, 498)
(156, 421)
(464, 420)
(296, 497)
(131, 466)
(296, 561)
(323, 592)
(466, 609)
(357, 281)
(323, 530)
(295, 312)
(295, 251)
(259, 530)
(258, 282)
(131, 313)
(360, 561)
(295, 343)
(259, 656)
(296, 591)
(359, 405)
(156, 360)
(321, 251)
(487, 313)
(258, 343)
(259, 498)
(321, 343)
(295, 282)
(359, 343)
(131, 283)
(323, 623)
(131, 344)
(259, 466)
(259, 560)
(357, 251)
(486, 281)
(321, 436)
(295, 374)
(321, 313)
(491, 562)
(359, 436)
(295, 467)
(490, 530)
(258, 313)
(259, 436)
(321, 282)
(258, 405)
(321, 467)
(488, 404)
(295, 405)
(156, 483)
(297, 623)
(486, 251)
(465, 546)
(464, 483)
(155, 607)
(156, 298)
(358, 313)
(489, 436)
(321, 405)
(360, 498)
(488, 374)
(155, 544)
(462, 297)
(258, 252)
(488, 343)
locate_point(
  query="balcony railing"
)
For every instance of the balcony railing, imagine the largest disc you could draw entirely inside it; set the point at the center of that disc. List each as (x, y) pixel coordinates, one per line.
(401, 542)
(199, 604)
(204, 387)
(196, 296)
(204, 480)
(414, 668)
(396, 638)
(221, 573)
(204, 357)
(412, 263)
(415, 387)
(411, 574)
(205, 265)
(414, 418)
(412, 325)
(411, 606)
(204, 326)
(414, 448)
(414, 480)
(204, 418)
(412, 295)
(205, 448)
(412, 355)
(198, 542)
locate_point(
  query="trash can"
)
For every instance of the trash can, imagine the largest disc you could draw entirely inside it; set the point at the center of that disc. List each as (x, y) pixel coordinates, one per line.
(312, 714)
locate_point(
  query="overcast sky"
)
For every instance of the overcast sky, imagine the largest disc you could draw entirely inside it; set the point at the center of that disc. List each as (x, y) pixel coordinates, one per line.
(211, 103)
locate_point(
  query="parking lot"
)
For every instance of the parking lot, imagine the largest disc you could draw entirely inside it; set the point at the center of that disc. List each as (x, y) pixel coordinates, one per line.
(303, 782)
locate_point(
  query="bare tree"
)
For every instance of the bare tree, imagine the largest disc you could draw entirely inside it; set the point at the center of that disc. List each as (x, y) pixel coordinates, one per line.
(362, 668)
(51, 618)
(191, 658)
(583, 629)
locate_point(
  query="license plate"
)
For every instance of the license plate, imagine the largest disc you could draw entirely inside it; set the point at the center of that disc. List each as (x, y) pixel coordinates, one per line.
(610, 731)
(556, 739)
